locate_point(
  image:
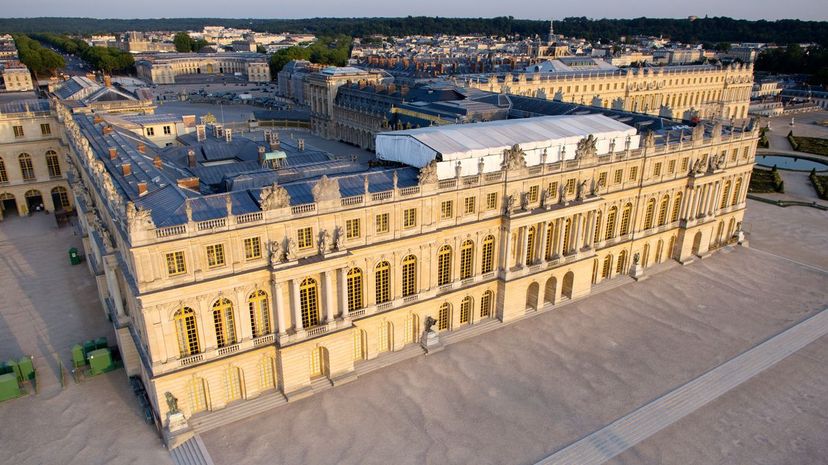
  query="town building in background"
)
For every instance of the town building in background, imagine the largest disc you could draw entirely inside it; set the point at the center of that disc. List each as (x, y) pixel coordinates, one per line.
(14, 75)
(166, 67)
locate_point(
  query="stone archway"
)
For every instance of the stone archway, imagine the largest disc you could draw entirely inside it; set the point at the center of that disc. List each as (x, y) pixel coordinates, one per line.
(532, 296)
(697, 243)
(549, 290)
(567, 285)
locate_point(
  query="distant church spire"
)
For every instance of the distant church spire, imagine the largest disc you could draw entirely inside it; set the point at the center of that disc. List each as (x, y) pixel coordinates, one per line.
(551, 32)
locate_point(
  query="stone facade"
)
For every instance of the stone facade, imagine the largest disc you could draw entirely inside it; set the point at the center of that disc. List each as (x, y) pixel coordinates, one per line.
(163, 68)
(32, 160)
(708, 92)
(342, 280)
(320, 90)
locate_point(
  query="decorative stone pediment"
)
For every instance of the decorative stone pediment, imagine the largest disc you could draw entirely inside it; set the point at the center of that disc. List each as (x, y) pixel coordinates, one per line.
(428, 173)
(514, 158)
(326, 189)
(587, 148)
(273, 197)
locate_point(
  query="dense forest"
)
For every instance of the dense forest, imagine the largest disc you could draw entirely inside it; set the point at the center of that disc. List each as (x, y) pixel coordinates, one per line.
(795, 59)
(716, 29)
(39, 59)
(106, 59)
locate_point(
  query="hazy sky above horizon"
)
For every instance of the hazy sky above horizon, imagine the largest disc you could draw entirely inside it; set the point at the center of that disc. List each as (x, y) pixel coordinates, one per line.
(530, 9)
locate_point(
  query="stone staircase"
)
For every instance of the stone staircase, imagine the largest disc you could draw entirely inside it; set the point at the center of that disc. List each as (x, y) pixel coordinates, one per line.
(240, 411)
(191, 452)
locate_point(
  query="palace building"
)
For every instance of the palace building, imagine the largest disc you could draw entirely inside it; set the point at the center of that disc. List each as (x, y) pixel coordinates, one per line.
(164, 68)
(229, 281)
(683, 92)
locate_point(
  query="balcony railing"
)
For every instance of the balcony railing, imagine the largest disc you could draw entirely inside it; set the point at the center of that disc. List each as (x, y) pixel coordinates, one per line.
(186, 361)
(212, 224)
(249, 217)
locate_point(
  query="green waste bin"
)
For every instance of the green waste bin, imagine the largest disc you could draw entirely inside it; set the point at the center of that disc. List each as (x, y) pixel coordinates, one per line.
(78, 357)
(101, 343)
(9, 388)
(26, 368)
(88, 346)
(100, 361)
(74, 256)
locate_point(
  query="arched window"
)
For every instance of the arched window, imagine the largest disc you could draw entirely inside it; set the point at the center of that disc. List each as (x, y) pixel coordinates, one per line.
(648, 214)
(487, 264)
(223, 320)
(736, 191)
(354, 279)
(725, 195)
(625, 219)
(185, 329)
(605, 271)
(465, 310)
(622, 260)
(309, 302)
(409, 275)
(567, 229)
(444, 265)
(466, 259)
(547, 248)
(259, 313)
(382, 282)
(610, 230)
(60, 197)
(26, 168)
(676, 207)
(662, 210)
(53, 164)
(4, 176)
(486, 304)
(597, 235)
(444, 317)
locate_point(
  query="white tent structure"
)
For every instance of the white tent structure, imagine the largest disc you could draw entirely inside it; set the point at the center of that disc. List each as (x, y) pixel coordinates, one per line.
(469, 145)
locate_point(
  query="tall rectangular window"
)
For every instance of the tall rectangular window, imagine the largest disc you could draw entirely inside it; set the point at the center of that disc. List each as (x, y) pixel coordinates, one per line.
(175, 263)
(4, 177)
(53, 163)
(533, 193)
(657, 169)
(45, 129)
(150, 131)
(469, 206)
(602, 179)
(252, 248)
(617, 176)
(553, 189)
(410, 218)
(215, 255)
(570, 186)
(671, 167)
(634, 173)
(491, 200)
(684, 162)
(352, 230)
(446, 209)
(382, 223)
(304, 238)
(167, 130)
(18, 131)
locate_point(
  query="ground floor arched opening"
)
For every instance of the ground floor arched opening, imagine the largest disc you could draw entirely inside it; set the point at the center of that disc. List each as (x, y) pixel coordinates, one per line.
(697, 243)
(549, 290)
(532, 296)
(34, 201)
(8, 205)
(567, 285)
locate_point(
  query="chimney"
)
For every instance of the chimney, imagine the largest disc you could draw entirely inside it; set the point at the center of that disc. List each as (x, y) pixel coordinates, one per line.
(157, 161)
(301, 145)
(142, 148)
(107, 80)
(217, 131)
(126, 168)
(261, 155)
(188, 120)
(113, 153)
(188, 183)
(107, 130)
(97, 119)
(228, 135)
(201, 132)
(275, 144)
(142, 188)
(191, 158)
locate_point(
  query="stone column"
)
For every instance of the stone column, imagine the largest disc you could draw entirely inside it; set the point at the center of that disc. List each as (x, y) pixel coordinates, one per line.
(343, 290)
(716, 202)
(330, 305)
(542, 243)
(687, 198)
(505, 245)
(110, 265)
(590, 230)
(245, 328)
(559, 227)
(279, 307)
(297, 308)
(579, 231)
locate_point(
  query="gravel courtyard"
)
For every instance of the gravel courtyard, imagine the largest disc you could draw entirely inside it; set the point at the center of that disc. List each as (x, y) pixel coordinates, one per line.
(519, 393)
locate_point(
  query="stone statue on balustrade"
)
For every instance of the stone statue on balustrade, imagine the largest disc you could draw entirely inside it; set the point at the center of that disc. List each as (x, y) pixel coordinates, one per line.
(275, 251)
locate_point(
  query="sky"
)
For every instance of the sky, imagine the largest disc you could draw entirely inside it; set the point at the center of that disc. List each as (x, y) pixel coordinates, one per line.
(529, 9)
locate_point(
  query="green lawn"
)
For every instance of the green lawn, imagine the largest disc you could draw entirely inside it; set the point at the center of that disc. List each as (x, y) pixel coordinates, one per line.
(764, 181)
(815, 145)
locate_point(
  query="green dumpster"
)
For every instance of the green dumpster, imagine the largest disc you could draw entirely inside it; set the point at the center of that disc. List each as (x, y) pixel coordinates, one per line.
(88, 346)
(100, 361)
(9, 388)
(74, 256)
(101, 343)
(78, 357)
(26, 368)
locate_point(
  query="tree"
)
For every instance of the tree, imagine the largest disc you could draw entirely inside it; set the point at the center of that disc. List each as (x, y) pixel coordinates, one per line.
(183, 42)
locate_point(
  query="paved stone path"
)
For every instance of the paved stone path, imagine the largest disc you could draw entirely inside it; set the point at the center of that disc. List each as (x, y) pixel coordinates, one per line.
(637, 426)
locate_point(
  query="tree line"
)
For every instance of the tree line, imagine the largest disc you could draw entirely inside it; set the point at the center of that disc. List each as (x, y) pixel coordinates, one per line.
(713, 30)
(106, 59)
(325, 51)
(184, 43)
(793, 59)
(39, 59)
